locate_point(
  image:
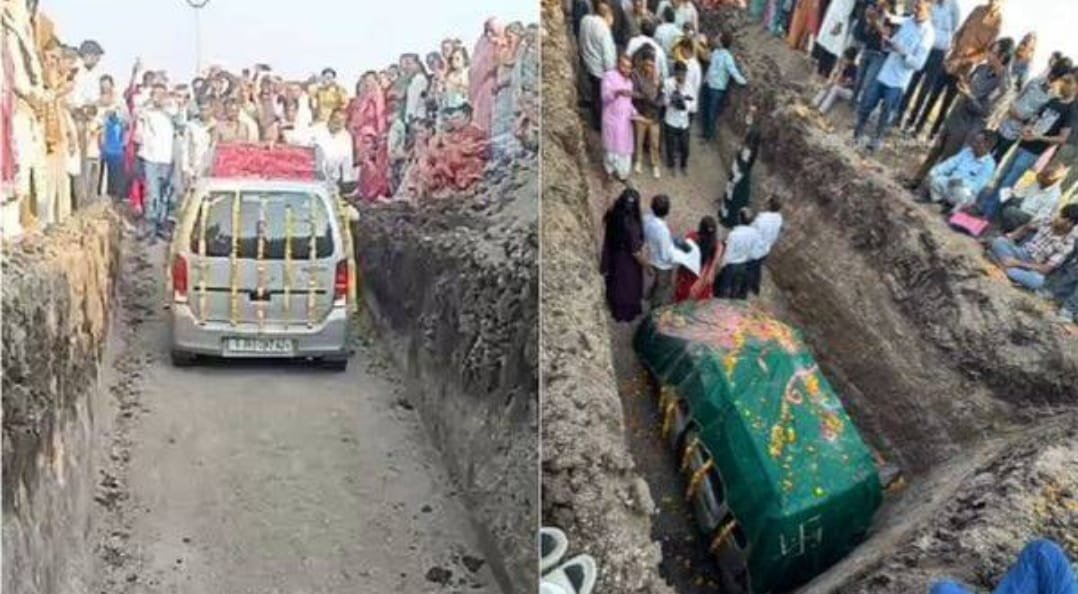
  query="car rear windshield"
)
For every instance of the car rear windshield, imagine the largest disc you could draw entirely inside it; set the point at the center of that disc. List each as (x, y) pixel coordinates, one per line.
(309, 218)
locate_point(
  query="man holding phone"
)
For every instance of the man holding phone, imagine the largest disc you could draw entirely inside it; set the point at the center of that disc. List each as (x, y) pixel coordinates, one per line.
(907, 52)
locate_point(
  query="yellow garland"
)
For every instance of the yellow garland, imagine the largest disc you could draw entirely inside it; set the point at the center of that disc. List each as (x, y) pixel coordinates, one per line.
(203, 263)
(697, 477)
(233, 258)
(261, 291)
(312, 253)
(724, 533)
(690, 449)
(287, 263)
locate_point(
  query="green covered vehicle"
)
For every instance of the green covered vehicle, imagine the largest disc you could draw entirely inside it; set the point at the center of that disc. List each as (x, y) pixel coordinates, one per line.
(780, 481)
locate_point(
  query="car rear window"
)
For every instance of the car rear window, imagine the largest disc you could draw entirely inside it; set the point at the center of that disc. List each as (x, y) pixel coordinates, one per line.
(309, 217)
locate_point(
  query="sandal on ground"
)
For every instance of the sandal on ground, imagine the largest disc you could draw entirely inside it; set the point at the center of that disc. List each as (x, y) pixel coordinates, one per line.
(548, 588)
(552, 547)
(575, 576)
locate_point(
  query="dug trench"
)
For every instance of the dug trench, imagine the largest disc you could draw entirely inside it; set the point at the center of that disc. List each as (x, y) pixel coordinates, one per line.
(410, 472)
(948, 371)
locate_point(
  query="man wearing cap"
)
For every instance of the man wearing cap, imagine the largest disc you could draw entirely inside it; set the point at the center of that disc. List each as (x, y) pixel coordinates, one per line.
(329, 96)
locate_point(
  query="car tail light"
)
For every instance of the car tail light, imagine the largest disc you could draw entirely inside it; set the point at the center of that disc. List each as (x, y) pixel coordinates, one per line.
(340, 283)
(179, 279)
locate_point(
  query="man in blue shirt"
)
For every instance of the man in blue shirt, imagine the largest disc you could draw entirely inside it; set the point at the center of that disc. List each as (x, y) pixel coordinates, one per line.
(908, 51)
(946, 19)
(1042, 568)
(716, 81)
(957, 181)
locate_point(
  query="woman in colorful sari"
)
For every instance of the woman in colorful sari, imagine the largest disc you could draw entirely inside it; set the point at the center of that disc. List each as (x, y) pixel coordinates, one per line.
(504, 143)
(692, 287)
(367, 123)
(804, 23)
(482, 76)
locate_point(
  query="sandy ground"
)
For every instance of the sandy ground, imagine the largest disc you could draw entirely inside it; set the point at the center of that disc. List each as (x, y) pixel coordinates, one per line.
(267, 477)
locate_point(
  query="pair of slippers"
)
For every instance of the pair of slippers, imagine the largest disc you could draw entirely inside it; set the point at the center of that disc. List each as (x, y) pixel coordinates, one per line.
(575, 576)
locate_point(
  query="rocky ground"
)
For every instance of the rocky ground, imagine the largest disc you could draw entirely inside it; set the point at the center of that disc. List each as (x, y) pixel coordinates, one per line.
(941, 362)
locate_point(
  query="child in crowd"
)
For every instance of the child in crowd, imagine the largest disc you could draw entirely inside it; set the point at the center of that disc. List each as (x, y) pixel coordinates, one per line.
(841, 83)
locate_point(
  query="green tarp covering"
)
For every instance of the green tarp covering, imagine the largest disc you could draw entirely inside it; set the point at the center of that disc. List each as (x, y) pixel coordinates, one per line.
(799, 480)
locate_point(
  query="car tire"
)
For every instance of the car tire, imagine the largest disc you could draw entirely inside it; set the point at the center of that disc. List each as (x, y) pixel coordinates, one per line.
(182, 358)
(337, 364)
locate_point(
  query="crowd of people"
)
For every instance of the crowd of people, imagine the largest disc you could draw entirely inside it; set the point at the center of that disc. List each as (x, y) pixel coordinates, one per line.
(1002, 138)
(427, 126)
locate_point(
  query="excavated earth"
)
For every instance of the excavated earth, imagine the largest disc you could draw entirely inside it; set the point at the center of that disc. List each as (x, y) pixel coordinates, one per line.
(454, 288)
(951, 373)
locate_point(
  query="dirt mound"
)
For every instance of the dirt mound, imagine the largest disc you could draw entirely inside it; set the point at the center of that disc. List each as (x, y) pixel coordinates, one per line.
(453, 285)
(57, 296)
(1029, 490)
(590, 488)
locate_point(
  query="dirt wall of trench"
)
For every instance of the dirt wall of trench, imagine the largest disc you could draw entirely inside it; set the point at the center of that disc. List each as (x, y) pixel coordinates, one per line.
(57, 295)
(590, 487)
(932, 351)
(453, 287)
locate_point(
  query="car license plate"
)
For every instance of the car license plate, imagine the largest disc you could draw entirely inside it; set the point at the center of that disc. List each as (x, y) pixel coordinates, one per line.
(259, 346)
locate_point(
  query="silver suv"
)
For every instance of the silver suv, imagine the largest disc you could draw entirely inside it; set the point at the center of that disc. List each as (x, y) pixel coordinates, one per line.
(261, 268)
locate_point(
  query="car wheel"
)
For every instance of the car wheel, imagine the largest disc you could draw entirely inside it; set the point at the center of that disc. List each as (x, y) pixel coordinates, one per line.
(335, 363)
(182, 358)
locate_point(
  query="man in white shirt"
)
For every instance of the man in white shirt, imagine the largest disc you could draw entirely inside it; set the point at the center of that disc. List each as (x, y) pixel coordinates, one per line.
(742, 247)
(155, 138)
(647, 31)
(599, 55)
(679, 97)
(660, 250)
(87, 79)
(1033, 203)
(334, 149)
(668, 33)
(768, 224)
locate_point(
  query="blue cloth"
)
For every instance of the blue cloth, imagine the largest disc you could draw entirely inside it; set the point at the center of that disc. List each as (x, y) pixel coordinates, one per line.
(871, 62)
(157, 177)
(722, 69)
(712, 109)
(1018, 167)
(946, 19)
(875, 94)
(910, 48)
(112, 141)
(974, 172)
(1042, 568)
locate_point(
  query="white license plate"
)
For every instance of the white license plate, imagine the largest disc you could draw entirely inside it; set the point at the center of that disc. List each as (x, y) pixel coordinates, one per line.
(259, 346)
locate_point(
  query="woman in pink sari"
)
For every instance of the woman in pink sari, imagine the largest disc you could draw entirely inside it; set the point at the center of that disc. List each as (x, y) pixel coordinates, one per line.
(368, 125)
(483, 74)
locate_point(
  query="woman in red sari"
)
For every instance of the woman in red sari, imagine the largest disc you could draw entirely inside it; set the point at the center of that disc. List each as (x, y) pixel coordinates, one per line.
(482, 76)
(690, 286)
(368, 125)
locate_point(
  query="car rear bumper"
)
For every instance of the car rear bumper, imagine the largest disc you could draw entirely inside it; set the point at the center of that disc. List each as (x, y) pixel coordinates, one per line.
(328, 339)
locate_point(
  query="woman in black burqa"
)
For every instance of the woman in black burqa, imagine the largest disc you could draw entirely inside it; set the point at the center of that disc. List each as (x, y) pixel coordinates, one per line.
(739, 186)
(623, 259)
